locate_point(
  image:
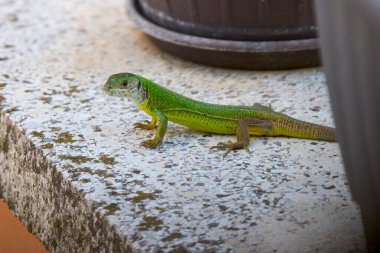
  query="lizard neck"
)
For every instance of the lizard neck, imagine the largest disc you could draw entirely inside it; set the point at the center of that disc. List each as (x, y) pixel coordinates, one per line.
(144, 106)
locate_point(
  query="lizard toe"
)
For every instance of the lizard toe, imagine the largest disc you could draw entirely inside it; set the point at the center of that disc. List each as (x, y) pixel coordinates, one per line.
(150, 143)
(138, 125)
(220, 146)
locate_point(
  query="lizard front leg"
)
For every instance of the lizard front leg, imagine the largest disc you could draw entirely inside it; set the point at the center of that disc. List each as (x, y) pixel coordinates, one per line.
(261, 127)
(148, 125)
(162, 123)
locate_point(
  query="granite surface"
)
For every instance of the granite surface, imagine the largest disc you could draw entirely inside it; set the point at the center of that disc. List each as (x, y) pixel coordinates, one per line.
(73, 171)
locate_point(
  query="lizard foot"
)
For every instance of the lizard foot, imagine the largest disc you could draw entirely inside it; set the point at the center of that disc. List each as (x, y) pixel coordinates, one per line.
(146, 126)
(229, 146)
(224, 146)
(151, 143)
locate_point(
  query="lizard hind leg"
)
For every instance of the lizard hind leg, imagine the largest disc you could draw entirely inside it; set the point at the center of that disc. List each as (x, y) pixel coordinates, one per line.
(243, 129)
(263, 107)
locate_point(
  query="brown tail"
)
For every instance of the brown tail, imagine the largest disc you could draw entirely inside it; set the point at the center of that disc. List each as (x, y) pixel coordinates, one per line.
(301, 129)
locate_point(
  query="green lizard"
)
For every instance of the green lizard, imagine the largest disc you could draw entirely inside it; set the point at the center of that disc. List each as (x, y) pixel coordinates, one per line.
(164, 105)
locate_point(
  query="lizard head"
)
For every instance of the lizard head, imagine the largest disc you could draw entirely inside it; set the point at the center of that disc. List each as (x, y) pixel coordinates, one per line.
(126, 85)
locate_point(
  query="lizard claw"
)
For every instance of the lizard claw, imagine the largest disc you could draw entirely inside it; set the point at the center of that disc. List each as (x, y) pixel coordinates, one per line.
(151, 143)
(223, 146)
(220, 146)
(145, 125)
(229, 146)
(138, 125)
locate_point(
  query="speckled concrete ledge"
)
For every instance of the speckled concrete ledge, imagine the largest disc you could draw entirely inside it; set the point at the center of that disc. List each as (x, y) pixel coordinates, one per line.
(46, 202)
(73, 172)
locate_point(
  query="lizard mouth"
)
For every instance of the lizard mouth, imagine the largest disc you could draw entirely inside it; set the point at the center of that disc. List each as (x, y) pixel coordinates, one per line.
(106, 90)
(115, 92)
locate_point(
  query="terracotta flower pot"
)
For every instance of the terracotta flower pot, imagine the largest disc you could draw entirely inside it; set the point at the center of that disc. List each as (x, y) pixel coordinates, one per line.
(248, 34)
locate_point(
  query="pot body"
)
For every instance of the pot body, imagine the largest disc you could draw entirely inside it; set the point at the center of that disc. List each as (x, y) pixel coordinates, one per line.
(253, 20)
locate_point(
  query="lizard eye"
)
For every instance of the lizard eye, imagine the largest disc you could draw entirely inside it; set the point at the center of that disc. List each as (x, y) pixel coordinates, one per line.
(125, 84)
(139, 86)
